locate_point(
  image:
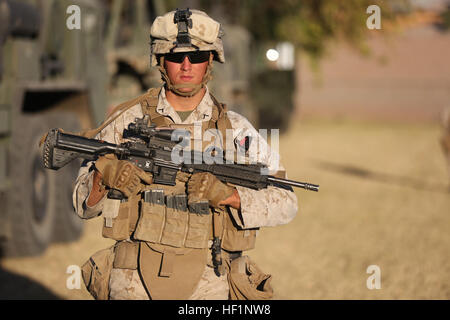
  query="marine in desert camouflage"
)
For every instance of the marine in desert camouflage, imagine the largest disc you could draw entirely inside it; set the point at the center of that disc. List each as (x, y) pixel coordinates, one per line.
(151, 259)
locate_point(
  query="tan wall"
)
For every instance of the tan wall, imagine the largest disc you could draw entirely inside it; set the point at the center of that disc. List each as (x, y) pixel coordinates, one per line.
(407, 77)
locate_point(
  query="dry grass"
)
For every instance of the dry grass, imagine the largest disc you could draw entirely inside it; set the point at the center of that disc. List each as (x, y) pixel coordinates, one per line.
(383, 200)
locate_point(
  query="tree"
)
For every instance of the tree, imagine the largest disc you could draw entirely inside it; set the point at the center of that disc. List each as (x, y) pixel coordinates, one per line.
(309, 24)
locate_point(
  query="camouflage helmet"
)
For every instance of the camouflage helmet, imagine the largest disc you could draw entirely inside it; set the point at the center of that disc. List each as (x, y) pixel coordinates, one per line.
(183, 31)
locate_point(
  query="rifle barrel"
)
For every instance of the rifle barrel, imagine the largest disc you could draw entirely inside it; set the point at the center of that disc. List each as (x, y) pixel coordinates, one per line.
(304, 185)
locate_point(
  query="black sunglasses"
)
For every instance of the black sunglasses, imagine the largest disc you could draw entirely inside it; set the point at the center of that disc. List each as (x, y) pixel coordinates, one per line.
(193, 56)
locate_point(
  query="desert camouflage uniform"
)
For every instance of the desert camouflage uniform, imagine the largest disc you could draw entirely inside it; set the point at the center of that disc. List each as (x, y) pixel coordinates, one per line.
(259, 208)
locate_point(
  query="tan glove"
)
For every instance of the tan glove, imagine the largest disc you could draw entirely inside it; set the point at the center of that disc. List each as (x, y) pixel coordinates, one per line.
(205, 186)
(121, 174)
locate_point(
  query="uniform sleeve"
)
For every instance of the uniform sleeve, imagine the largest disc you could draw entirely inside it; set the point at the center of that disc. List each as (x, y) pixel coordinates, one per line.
(82, 190)
(271, 206)
(83, 184)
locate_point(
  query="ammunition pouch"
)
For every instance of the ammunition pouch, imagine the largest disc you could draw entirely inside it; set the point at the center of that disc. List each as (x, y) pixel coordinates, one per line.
(167, 220)
(121, 224)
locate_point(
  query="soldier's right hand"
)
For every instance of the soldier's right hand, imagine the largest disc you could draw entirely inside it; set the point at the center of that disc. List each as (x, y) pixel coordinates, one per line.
(121, 174)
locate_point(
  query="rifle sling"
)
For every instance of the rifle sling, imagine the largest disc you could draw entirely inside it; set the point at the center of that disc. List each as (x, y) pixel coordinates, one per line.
(150, 96)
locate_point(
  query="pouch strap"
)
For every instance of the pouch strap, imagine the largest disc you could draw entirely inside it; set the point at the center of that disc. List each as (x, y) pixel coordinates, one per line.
(220, 120)
(120, 109)
(167, 264)
(149, 104)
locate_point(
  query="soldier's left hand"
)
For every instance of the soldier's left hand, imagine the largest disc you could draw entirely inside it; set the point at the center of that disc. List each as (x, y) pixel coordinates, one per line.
(205, 186)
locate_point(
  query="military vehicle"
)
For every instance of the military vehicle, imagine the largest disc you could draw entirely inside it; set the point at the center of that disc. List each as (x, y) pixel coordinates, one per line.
(53, 74)
(272, 84)
(127, 47)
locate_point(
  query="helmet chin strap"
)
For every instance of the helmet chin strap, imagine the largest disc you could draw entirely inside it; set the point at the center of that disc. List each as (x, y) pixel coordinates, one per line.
(175, 88)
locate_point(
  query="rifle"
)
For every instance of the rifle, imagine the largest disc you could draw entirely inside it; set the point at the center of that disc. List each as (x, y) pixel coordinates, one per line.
(151, 149)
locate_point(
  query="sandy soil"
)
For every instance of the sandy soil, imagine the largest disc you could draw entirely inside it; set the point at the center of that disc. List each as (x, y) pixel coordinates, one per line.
(383, 200)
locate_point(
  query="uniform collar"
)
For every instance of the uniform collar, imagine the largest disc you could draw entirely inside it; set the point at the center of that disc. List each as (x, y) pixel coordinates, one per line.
(203, 112)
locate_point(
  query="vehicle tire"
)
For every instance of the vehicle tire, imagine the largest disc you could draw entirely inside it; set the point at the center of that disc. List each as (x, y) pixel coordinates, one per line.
(31, 198)
(68, 225)
(35, 202)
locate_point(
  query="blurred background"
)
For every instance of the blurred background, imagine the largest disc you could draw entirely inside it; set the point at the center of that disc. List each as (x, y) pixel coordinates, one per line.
(361, 95)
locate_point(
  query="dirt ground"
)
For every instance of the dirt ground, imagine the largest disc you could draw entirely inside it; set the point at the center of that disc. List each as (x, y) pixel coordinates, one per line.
(384, 200)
